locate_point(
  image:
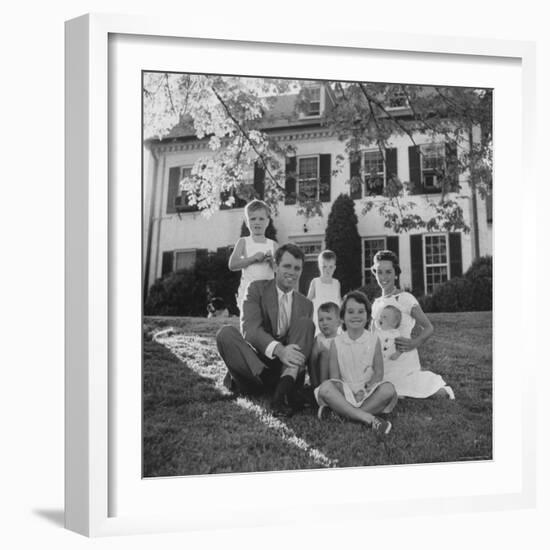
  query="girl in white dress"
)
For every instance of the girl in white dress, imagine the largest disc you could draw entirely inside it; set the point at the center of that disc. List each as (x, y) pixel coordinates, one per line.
(404, 372)
(356, 388)
(325, 288)
(253, 255)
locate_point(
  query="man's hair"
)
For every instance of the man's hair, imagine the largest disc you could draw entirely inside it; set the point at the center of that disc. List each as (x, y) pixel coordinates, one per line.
(326, 255)
(256, 204)
(329, 307)
(291, 248)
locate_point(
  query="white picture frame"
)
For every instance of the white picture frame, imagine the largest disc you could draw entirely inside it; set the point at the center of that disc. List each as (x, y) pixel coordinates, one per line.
(95, 442)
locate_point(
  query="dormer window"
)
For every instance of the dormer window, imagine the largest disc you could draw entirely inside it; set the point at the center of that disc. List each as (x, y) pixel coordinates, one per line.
(315, 99)
(397, 100)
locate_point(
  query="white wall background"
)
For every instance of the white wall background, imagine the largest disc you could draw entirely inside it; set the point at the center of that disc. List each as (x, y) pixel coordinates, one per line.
(31, 400)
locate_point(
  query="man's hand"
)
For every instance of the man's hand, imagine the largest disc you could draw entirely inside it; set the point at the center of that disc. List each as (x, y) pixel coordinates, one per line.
(290, 355)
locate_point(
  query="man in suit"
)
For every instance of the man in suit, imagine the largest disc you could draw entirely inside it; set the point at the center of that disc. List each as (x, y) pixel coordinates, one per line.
(276, 337)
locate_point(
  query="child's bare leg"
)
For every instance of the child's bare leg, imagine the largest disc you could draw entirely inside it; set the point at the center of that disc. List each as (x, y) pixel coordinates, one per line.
(333, 397)
(314, 376)
(377, 401)
(323, 366)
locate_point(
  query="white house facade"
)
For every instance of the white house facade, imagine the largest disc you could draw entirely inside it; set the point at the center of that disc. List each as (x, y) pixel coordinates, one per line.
(174, 234)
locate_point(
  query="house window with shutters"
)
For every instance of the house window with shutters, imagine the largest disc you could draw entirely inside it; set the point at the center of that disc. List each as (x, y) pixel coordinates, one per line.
(308, 177)
(374, 172)
(184, 259)
(433, 165)
(370, 172)
(178, 200)
(436, 261)
(435, 258)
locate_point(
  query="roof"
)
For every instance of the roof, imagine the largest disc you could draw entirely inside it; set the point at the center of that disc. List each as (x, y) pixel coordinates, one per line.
(281, 115)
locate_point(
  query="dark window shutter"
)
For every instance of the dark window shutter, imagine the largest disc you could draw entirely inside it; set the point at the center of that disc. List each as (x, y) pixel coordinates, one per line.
(417, 265)
(451, 163)
(324, 178)
(489, 207)
(455, 254)
(392, 243)
(167, 262)
(391, 164)
(415, 175)
(173, 189)
(259, 180)
(355, 181)
(201, 254)
(290, 180)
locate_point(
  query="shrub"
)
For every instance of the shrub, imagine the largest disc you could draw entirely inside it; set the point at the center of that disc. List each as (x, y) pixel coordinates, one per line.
(480, 274)
(371, 290)
(342, 237)
(187, 292)
(426, 303)
(471, 292)
(453, 295)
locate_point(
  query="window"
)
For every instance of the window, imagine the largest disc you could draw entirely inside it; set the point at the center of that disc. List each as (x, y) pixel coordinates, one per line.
(311, 249)
(397, 100)
(315, 104)
(370, 248)
(308, 177)
(374, 173)
(181, 200)
(436, 261)
(184, 259)
(433, 165)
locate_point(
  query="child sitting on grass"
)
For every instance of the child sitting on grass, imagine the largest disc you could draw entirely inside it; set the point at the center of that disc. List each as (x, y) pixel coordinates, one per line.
(328, 320)
(356, 388)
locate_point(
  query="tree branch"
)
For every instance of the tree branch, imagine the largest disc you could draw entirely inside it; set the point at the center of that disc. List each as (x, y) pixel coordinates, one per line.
(247, 137)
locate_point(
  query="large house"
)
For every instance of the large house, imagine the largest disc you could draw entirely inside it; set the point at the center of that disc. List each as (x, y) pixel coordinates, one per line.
(175, 233)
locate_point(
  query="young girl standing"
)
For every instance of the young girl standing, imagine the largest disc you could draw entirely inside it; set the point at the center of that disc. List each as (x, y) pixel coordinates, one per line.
(325, 288)
(253, 255)
(356, 388)
(404, 372)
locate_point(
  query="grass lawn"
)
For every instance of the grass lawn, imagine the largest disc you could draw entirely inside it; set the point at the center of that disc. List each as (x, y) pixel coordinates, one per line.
(193, 425)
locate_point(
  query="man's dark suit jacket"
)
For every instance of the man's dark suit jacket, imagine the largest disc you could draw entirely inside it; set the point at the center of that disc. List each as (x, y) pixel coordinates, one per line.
(259, 318)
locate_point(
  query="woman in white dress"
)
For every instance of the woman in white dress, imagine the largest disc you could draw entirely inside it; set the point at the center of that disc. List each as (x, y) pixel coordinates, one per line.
(405, 372)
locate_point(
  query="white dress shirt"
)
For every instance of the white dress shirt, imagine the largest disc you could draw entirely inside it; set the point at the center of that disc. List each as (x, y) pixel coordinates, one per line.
(271, 346)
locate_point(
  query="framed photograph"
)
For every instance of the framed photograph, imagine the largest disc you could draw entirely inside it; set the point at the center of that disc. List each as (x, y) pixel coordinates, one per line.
(169, 136)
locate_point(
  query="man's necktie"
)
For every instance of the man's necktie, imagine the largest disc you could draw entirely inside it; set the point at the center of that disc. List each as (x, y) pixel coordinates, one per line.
(283, 314)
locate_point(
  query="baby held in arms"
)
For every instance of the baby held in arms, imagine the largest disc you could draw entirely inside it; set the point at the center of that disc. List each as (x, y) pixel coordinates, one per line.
(387, 331)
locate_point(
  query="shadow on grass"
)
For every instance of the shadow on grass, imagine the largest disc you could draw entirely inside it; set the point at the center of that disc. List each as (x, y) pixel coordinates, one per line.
(192, 425)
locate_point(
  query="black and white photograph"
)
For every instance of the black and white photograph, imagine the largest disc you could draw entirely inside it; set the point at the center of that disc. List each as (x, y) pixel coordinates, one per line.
(317, 274)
